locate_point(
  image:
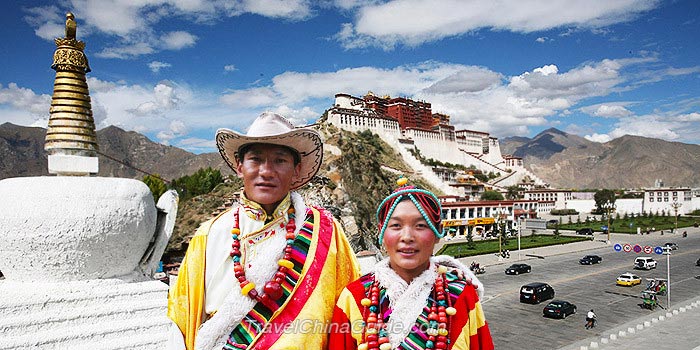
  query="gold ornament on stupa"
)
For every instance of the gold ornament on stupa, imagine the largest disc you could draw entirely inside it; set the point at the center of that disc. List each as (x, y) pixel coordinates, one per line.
(71, 128)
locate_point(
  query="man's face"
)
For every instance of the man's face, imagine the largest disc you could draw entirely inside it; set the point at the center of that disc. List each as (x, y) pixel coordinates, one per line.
(267, 172)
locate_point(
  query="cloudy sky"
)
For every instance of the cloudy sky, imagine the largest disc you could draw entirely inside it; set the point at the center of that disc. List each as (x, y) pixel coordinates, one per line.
(176, 70)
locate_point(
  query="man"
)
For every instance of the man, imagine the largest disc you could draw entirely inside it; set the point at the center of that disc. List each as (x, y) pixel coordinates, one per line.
(266, 273)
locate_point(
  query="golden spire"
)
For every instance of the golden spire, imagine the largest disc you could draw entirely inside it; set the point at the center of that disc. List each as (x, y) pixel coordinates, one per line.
(71, 126)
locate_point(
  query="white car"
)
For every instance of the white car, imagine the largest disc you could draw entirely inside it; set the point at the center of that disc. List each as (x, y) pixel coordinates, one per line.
(644, 263)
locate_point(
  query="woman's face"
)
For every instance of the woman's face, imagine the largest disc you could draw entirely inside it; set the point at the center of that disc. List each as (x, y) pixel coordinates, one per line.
(409, 241)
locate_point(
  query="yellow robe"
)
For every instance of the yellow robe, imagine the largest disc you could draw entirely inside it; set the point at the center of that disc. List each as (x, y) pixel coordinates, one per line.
(307, 310)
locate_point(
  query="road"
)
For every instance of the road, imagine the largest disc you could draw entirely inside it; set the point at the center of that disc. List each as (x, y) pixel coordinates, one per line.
(515, 325)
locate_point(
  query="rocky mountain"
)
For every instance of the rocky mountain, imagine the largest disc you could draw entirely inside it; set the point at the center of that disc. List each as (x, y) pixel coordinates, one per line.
(569, 161)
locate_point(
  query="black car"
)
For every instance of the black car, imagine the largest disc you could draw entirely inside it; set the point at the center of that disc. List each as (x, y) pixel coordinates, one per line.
(517, 269)
(559, 309)
(697, 263)
(671, 245)
(590, 260)
(536, 292)
(584, 231)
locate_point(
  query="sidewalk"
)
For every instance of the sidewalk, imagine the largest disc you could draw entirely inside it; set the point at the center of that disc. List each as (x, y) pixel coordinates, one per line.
(675, 329)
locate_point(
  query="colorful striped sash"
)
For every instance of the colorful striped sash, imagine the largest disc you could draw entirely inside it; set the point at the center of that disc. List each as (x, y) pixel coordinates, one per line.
(259, 317)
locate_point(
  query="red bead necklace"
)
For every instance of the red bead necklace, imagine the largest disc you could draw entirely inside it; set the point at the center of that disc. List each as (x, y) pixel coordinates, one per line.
(273, 288)
(375, 335)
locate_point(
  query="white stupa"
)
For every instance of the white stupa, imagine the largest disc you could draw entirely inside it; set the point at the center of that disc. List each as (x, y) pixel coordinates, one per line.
(78, 251)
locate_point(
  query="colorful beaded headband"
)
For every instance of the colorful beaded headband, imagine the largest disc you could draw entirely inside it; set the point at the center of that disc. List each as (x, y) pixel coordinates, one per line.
(427, 203)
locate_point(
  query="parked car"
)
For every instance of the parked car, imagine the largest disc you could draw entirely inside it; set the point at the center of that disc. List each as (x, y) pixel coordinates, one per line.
(536, 292)
(671, 245)
(628, 279)
(584, 231)
(697, 263)
(517, 269)
(644, 263)
(590, 260)
(559, 309)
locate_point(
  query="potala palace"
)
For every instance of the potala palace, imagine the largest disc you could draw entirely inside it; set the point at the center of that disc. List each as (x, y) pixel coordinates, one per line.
(411, 127)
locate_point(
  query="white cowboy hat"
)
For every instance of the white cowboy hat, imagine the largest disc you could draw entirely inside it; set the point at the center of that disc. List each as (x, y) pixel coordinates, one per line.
(271, 128)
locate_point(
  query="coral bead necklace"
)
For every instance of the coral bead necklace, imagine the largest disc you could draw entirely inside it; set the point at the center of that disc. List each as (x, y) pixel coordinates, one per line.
(375, 335)
(272, 290)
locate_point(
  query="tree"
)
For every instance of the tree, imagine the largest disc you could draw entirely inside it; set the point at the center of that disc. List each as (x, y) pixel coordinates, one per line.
(202, 181)
(513, 192)
(470, 239)
(156, 184)
(556, 231)
(491, 195)
(601, 197)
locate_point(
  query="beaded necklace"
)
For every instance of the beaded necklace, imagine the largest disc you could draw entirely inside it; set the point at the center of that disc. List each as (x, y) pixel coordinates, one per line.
(273, 288)
(374, 335)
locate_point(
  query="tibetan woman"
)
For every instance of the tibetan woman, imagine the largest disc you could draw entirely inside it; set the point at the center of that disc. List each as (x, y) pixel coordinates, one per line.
(408, 301)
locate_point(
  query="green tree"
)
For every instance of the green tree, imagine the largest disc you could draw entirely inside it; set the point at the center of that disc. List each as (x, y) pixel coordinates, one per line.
(202, 181)
(556, 231)
(491, 195)
(601, 197)
(470, 239)
(156, 184)
(513, 192)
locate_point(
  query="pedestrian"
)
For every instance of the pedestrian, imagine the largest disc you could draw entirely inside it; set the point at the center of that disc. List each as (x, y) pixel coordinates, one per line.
(408, 301)
(271, 260)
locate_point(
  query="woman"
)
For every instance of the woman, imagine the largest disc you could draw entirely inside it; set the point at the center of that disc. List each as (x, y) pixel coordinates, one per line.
(408, 301)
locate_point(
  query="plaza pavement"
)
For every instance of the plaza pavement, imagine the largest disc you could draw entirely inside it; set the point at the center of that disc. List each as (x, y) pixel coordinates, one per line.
(676, 328)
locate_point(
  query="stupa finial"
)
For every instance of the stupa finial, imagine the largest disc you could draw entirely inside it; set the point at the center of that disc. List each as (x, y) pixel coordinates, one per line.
(71, 140)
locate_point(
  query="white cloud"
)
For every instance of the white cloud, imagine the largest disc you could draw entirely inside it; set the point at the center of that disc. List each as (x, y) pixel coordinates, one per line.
(47, 22)
(156, 66)
(413, 22)
(126, 51)
(654, 126)
(600, 138)
(178, 40)
(690, 117)
(132, 24)
(608, 110)
(541, 39)
(475, 97)
(229, 68)
(25, 100)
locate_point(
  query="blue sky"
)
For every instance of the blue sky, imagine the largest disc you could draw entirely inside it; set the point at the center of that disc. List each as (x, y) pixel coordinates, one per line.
(176, 70)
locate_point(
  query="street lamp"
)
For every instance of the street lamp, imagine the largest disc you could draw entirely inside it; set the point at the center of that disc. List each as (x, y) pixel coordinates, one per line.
(609, 207)
(667, 252)
(675, 205)
(520, 228)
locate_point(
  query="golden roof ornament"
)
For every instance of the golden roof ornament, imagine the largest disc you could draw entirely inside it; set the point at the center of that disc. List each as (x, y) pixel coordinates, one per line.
(71, 131)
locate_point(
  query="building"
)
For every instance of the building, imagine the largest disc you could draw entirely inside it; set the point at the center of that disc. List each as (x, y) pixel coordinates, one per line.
(558, 198)
(411, 127)
(671, 200)
(461, 216)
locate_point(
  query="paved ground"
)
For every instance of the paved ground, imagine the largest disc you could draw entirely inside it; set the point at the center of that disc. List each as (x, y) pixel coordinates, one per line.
(674, 328)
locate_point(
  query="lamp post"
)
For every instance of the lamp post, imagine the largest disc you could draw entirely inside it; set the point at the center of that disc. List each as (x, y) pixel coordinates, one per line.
(667, 252)
(520, 229)
(609, 207)
(675, 205)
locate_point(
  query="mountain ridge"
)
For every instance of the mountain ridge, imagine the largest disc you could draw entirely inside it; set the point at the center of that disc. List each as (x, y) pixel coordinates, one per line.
(561, 159)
